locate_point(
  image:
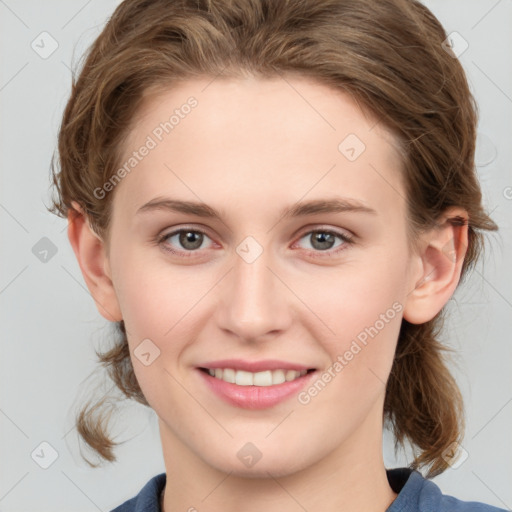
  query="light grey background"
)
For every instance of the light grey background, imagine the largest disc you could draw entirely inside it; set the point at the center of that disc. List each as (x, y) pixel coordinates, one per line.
(50, 325)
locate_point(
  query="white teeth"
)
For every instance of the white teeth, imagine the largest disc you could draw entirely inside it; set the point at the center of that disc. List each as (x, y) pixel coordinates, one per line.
(265, 378)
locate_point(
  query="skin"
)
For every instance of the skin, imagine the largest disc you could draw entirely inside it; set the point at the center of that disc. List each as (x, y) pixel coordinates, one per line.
(250, 148)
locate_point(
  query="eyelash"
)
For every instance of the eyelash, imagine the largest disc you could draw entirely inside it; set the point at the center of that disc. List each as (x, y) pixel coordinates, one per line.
(347, 239)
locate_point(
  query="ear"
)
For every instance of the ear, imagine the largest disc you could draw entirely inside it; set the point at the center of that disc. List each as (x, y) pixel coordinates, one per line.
(90, 252)
(438, 266)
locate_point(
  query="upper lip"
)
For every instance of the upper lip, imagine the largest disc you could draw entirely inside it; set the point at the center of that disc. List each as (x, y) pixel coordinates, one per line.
(254, 366)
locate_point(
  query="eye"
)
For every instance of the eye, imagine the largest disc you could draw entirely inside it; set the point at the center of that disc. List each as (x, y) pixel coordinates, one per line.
(190, 240)
(187, 240)
(323, 240)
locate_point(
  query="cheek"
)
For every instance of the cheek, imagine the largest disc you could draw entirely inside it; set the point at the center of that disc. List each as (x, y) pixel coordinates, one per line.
(153, 295)
(361, 353)
(355, 296)
(361, 311)
(160, 304)
(156, 307)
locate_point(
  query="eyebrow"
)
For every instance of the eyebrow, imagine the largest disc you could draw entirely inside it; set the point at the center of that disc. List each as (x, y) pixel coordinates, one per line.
(301, 209)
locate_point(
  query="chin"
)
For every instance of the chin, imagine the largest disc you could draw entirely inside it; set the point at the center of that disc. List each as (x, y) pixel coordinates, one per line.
(275, 466)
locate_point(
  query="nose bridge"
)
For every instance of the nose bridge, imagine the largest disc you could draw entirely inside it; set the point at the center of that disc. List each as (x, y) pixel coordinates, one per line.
(253, 303)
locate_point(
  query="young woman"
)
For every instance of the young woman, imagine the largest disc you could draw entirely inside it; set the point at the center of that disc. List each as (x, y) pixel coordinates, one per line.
(275, 201)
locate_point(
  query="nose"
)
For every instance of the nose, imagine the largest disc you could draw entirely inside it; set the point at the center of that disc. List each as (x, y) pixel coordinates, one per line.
(254, 301)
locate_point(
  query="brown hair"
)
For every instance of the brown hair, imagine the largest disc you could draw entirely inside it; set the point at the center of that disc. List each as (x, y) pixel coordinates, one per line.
(388, 55)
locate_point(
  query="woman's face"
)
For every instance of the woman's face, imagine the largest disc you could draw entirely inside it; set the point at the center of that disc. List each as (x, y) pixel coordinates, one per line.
(264, 278)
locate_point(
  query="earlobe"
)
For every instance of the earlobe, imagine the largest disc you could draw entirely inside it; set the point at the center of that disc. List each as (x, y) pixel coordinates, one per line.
(90, 253)
(440, 265)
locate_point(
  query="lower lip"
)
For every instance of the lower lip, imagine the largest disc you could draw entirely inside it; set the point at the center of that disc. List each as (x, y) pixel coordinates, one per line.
(255, 397)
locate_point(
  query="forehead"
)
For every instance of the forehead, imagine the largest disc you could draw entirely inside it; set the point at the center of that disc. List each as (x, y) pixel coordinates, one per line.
(258, 139)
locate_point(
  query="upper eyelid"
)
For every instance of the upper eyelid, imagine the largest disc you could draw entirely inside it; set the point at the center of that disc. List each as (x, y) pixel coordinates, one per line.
(336, 231)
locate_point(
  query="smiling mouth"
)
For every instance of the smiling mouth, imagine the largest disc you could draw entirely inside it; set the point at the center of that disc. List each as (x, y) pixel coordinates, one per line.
(262, 379)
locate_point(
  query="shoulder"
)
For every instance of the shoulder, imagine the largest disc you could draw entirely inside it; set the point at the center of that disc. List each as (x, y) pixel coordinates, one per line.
(148, 499)
(418, 494)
